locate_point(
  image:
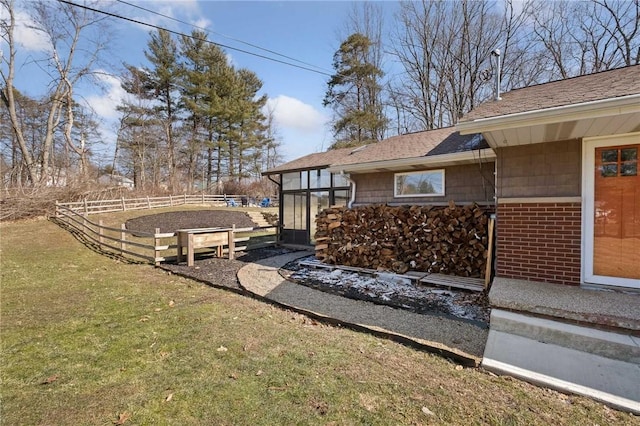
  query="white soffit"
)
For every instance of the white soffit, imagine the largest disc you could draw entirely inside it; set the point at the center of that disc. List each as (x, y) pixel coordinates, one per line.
(598, 118)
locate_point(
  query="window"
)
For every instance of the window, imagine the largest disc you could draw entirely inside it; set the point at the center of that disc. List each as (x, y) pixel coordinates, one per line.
(419, 184)
(295, 180)
(319, 179)
(619, 162)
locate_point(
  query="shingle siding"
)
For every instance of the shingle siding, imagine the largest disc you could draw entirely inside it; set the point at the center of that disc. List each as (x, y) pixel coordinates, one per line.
(542, 170)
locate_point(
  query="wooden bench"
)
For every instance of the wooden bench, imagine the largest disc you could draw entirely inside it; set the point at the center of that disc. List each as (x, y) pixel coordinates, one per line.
(197, 238)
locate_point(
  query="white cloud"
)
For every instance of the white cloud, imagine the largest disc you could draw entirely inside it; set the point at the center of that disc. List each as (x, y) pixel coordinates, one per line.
(291, 113)
(184, 10)
(105, 104)
(27, 37)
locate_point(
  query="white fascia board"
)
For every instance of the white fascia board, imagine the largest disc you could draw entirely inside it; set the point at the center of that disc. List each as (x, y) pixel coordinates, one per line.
(587, 110)
(484, 155)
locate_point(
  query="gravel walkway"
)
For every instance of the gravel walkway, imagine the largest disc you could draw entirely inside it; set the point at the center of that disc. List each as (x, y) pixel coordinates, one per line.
(457, 339)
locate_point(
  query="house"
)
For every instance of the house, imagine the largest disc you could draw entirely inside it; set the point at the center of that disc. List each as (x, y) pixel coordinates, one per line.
(566, 301)
(429, 167)
(559, 163)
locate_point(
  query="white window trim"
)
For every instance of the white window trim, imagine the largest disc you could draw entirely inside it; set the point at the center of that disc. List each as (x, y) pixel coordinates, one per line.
(395, 186)
(588, 208)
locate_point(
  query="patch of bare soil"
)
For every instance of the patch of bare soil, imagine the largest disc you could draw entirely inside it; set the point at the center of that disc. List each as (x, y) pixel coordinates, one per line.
(170, 221)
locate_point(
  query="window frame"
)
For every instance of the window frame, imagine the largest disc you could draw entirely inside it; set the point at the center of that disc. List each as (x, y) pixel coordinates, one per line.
(421, 172)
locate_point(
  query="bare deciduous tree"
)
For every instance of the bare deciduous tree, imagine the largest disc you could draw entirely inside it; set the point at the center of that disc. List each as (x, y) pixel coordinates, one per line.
(70, 58)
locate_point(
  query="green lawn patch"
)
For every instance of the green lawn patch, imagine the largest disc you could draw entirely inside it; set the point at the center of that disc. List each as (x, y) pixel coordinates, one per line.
(87, 340)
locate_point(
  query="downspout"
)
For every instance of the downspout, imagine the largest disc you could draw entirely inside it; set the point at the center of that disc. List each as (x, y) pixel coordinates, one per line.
(352, 199)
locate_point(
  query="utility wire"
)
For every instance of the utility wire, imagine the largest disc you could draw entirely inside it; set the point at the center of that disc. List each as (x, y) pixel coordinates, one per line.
(221, 35)
(114, 15)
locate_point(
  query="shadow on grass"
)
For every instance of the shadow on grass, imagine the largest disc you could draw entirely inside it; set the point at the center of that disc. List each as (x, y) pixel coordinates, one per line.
(93, 246)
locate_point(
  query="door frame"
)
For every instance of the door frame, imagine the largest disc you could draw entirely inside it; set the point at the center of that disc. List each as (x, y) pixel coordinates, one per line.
(588, 208)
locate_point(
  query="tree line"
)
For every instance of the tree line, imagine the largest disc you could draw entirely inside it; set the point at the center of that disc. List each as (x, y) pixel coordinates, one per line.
(439, 57)
(192, 120)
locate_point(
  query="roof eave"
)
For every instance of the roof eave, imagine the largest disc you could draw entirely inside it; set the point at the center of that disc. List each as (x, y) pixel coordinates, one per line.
(587, 110)
(486, 154)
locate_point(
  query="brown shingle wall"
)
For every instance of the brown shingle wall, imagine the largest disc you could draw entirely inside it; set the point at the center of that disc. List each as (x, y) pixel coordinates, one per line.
(539, 242)
(540, 170)
(463, 184)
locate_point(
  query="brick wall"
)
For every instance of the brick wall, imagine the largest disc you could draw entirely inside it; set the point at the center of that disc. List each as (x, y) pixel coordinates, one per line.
(539, 241)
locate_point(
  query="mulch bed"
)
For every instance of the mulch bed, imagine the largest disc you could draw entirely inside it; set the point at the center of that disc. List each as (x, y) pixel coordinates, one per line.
(222, 272)
(170, 221)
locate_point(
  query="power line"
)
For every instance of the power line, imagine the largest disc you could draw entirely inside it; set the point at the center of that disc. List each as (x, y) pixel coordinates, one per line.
(220, 34)
(114, 15)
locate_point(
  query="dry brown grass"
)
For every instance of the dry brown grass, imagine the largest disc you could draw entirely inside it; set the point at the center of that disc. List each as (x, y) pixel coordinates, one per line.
(88, 340)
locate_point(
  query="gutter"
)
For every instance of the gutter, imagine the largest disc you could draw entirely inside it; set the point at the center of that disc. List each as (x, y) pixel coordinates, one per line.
(593, 109)
(486, 154)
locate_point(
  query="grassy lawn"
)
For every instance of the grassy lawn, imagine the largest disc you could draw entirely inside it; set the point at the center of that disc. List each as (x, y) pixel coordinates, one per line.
(87, 340)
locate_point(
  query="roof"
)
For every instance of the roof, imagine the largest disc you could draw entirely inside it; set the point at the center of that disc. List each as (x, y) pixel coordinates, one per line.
(312, 161)
(610, 84)
(413, 145)
(418, 145)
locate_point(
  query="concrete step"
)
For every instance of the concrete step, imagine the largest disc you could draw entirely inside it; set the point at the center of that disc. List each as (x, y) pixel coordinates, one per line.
(603, 365)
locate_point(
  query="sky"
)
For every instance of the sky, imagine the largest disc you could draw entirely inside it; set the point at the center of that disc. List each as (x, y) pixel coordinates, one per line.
(308, 31)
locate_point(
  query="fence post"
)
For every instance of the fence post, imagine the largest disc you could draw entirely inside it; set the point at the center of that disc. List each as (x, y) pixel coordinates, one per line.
(124, 207)
(202, 197)
(232, 241)
(148, 202)
(185, 199)
(170, 200)
(86, 209)
(100, 233)
(123, 238)
(156, 243)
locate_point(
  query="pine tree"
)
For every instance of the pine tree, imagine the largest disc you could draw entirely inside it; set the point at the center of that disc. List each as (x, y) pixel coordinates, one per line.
(353, 94)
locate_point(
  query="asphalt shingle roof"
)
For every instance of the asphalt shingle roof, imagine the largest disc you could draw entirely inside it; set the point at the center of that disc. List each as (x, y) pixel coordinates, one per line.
(412, 145)
(588, 88)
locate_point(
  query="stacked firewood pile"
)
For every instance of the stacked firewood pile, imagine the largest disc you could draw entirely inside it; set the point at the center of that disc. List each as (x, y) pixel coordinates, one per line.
(449, 240)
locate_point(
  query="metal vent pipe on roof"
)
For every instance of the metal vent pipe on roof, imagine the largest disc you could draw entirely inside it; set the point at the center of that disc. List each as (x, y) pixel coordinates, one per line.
(496, 53)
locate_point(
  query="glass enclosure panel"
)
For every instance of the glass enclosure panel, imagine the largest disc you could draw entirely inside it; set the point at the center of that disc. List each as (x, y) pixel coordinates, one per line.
(304, 180)
(294, 211)
(288, 209)
(300, 220)
(341, 197)
(291, 181)
(340, 180)
(616, 240)
(319, 179)
(427, 183)
(319, 201)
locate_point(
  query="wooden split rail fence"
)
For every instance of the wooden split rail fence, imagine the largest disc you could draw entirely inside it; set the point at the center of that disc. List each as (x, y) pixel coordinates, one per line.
(88, 207)
(154, 247)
